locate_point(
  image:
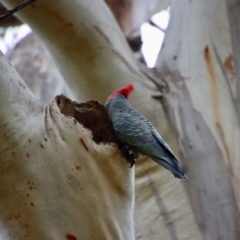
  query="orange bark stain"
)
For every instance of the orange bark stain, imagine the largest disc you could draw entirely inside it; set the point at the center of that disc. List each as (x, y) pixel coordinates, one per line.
(78, 167)
(70, 24)
(215, 96)
(228, 64)
(82, 46)
(25, 225)
(213, 82)
(83, 143)
(70, 237)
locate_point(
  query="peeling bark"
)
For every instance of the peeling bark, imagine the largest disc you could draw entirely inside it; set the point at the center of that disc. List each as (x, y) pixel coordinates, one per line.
(200, 101)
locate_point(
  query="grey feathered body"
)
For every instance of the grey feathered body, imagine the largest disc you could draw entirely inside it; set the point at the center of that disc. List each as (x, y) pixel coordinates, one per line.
(133, 129)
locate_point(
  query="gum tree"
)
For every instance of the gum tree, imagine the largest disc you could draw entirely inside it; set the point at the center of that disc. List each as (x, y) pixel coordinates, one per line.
(60, 181)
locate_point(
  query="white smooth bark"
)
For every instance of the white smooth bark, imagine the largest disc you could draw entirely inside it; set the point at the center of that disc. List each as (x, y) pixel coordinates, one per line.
(131, 14)
(73, 34)
(34, 63)
(196, 62)
(89, 48)
(94, 58)
(52, 185)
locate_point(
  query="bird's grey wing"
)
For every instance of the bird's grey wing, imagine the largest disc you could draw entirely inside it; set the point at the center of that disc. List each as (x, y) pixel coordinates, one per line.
(134, 133)
(144, 138)
(161, 143)
(142, 135)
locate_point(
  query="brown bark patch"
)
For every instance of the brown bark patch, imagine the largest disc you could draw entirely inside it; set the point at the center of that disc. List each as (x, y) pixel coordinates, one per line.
(25, 225)
(83, 143)
(93, 116)
(214, 85)
(70, 237)
(78, 167)
(228, 64)
(70, 24)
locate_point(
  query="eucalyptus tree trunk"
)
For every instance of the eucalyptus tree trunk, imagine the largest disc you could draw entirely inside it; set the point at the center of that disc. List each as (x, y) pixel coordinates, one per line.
(201, 98)
(197, 78)
(131, 14)
(58, 181)
(55, 173)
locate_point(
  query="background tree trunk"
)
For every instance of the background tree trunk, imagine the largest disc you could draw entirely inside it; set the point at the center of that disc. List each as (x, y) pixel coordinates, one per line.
(200, 100)
(36, 66)
(199, 84)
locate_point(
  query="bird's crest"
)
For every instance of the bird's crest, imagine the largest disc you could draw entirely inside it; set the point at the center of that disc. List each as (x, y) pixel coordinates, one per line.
(125, 91)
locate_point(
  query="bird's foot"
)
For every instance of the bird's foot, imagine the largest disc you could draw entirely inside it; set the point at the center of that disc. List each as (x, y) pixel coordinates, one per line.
(129, 155)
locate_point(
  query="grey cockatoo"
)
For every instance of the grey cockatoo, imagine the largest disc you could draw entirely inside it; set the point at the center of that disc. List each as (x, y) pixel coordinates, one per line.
(138, 134)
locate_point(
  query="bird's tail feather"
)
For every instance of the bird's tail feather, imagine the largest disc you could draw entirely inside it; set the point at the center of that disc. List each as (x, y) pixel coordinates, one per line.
(173, 166)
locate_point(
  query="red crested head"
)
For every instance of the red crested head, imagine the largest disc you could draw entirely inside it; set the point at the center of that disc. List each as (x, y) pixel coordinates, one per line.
(125, 91)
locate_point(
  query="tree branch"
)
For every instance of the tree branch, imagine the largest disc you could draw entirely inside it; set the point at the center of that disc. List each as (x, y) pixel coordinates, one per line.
(15, 9)
(152, 23)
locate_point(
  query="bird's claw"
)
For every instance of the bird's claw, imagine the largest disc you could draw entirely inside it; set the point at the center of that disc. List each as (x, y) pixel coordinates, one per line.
(129, 155)
(132, 161)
